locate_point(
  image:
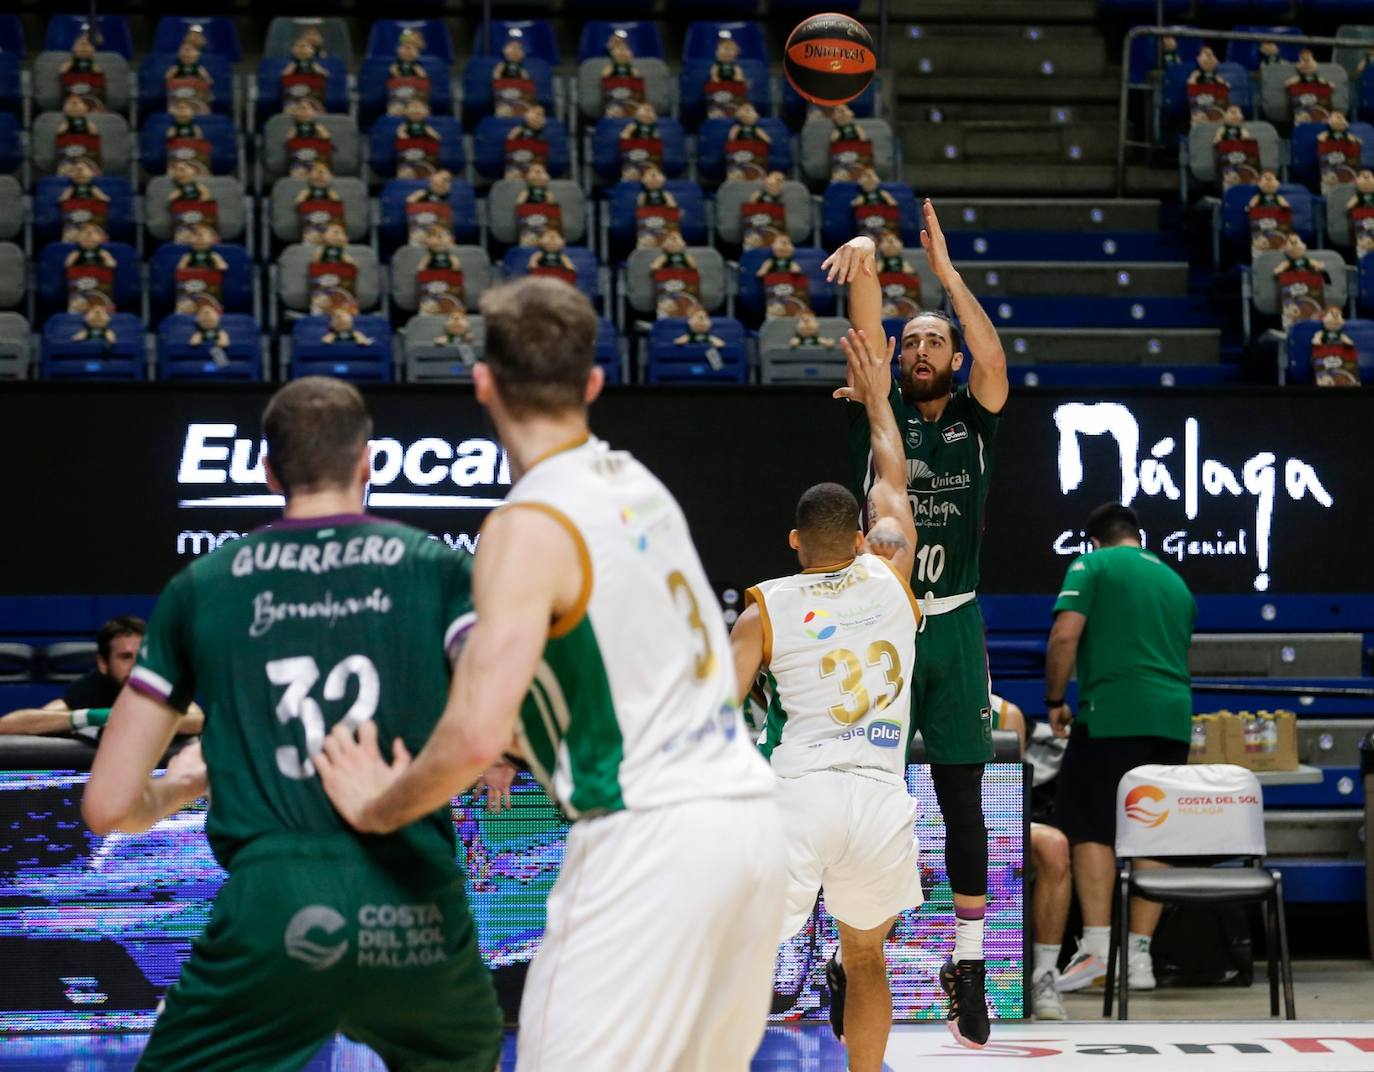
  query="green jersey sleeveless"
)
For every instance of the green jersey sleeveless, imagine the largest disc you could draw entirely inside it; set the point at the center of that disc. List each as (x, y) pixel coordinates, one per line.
(949, 468)
(291, 630)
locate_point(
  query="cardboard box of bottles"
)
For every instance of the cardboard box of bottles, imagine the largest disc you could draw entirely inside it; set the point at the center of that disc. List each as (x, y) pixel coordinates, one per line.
(1209, 742)
(1255, 740)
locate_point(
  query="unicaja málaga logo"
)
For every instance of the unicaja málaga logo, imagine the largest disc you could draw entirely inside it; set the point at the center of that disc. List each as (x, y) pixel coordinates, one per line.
(300, 945)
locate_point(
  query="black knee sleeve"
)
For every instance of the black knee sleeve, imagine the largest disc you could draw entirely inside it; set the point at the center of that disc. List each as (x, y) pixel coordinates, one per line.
(959, 789)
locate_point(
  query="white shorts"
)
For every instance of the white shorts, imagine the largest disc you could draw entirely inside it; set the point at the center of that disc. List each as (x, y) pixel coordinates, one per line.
(661, 937)
(855, 836)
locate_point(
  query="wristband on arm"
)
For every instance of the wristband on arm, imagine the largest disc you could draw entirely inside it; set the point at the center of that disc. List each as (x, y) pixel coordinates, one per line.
(84, 717)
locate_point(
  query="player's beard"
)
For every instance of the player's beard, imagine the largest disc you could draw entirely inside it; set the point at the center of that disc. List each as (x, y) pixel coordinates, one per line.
(937, 386)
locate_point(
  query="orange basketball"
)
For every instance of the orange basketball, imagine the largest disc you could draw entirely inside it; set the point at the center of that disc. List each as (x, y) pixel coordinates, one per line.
(829, 59)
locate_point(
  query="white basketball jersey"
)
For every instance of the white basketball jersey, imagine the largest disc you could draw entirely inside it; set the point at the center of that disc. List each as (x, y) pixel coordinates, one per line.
(840, 651)
(633, 705)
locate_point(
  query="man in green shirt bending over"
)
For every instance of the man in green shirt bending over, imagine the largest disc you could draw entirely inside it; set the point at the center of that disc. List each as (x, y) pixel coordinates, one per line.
(1127, 619)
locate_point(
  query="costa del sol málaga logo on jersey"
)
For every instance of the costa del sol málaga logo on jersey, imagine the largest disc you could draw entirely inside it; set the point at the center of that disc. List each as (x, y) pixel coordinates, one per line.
(1140, 805)
(816, 626)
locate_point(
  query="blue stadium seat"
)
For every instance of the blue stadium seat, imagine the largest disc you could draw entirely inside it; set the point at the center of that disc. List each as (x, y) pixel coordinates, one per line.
(750, 297)
(152, 89)
(237, 294)
(624, 229)
(12, 36)
(1247, 53)
(671, 363)
(489, 146)
(837, 215)
(795, 108)
(692, 88)
(64, 359)
(1362, 94)
(1174, 95)
(1235, 223)
(113, 30)
(608, 350)
(1100, 376)
(1365, 292)
(1227, 11)
(642, 37)
(394, 229)
(728, 8)
(703, 35)
(177, 359)
(1305, 168)
(271, 99)
(1146, 51)
(1334, 9)
(372, 88)
(386, 33)
(11, 149)
(1078, 311)
(52, 276)
(536, 35)
(221, 35)
(381, 140)
(11, 84)
(310, 356)
(218, 130)
(1300, 337)
(711, 147)
(47, 210)
(606, 161)
(516, 264)
(478, 101)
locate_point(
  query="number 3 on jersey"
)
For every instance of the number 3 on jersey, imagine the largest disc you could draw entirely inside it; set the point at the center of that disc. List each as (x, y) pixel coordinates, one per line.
(298, 675)
(845, 664)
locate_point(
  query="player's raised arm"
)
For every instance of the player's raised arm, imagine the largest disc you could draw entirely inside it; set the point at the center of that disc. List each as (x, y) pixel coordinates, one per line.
(987, 379)
(893, 531)
(852, 265)
(749, 646)
(120, 795)
(527, 575)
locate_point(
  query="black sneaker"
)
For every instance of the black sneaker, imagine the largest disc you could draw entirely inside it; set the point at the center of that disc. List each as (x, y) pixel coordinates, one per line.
(968, 1004)
(834, 978)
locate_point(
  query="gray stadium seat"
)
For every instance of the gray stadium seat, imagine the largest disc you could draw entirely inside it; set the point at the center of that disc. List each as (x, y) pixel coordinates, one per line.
(658, 85)
(427, 363)
(14, 346)
(1349, 58)
(69, 660)
(347, 145)
(1274, 94)
(228, 195)
(16, 663)
(49, 93)
(815, 147)
(405, 262)
(114, 142)
(11, 207)
(293, 276)
(1337, 220)
(780, 363)
(13, 275)
(501, 209)
(286, 222)
(735, 192)
(640, 279)
(1202, 157)
(1265, 289)
(284, 29)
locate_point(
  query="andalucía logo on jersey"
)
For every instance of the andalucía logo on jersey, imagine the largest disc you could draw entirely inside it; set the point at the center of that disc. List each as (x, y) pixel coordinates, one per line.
(1140, 805)
(817, 628)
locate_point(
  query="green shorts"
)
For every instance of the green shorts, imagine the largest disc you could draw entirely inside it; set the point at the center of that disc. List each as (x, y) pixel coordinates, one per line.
(310, 936)
(949, 693)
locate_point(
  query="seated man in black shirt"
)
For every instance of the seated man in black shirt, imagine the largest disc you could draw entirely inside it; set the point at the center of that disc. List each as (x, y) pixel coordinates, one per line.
(83, 707)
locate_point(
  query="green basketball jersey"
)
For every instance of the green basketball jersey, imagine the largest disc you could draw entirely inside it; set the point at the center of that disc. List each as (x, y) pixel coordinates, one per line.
(949, 468)
(291, 630)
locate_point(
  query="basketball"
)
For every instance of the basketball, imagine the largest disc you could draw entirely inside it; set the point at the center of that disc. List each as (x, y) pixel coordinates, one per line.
(829, 59)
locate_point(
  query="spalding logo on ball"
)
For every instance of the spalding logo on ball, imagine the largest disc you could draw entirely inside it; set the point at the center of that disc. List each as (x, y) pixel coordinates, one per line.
(829, 59)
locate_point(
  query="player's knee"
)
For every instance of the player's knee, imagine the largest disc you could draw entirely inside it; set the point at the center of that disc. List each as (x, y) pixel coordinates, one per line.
(1050, 850)
(864, 956)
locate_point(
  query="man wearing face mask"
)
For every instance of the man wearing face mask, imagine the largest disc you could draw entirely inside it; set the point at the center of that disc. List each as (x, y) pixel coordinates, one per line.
(949, 435)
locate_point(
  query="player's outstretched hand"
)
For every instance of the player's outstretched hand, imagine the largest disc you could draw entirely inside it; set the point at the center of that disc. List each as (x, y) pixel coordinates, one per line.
(354, 774)
(186, 770)
(851, 260)
(497, 781)
(933, 241)
(868, 372)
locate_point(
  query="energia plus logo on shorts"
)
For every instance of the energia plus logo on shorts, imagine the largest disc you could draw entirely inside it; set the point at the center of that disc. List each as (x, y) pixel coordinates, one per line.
(1141, 806)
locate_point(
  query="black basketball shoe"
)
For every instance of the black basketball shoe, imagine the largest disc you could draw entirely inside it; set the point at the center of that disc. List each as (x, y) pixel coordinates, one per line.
(834, 978)
(968, 1004)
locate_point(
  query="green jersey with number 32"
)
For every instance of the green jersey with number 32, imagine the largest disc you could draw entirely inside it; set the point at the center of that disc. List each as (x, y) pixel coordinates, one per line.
(286, 633)
(949, 469)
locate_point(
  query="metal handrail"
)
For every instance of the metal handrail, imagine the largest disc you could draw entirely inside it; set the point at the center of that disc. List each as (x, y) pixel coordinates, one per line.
(1207, 35)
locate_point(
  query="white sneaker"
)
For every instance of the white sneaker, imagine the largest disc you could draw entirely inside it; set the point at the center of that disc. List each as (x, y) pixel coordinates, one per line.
(1142, 969)
(1046, 1004)
(1084, 970)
